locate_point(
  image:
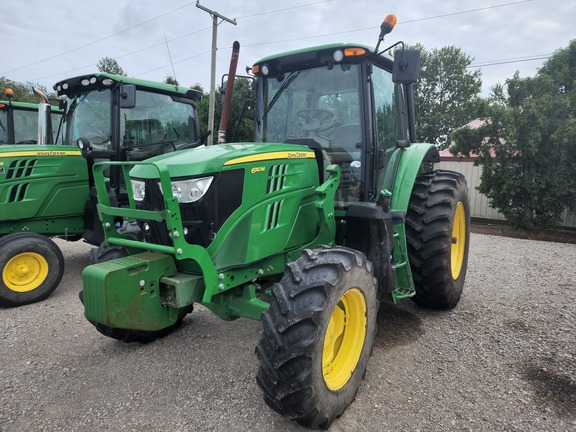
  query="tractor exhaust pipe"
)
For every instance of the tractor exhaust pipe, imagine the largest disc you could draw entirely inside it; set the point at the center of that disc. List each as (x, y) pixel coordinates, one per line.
(228, 93)
(44, 118)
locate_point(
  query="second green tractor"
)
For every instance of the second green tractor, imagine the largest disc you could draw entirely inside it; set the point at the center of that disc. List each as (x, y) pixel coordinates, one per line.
(332, 209)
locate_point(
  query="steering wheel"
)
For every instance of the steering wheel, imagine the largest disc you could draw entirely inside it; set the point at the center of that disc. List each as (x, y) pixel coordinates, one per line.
(315, 120)
(321, 114)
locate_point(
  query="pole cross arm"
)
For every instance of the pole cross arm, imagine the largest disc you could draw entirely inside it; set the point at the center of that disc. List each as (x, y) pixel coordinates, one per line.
(216, 14)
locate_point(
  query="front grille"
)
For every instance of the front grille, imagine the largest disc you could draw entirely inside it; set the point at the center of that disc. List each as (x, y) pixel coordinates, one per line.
(201, 219)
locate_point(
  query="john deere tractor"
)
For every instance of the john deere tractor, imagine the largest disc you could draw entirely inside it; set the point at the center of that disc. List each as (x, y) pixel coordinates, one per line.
(47, 190)
(331, 210)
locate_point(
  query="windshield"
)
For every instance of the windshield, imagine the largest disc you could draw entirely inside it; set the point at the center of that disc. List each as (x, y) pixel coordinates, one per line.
(313, 103)
(157, 124)
(89, 118)
(25, 126)
(320, 108)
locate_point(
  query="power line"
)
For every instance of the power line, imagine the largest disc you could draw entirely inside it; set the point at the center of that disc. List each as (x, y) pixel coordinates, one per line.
(466, 11)
(99, 40)
(176, 62)
(140, 24)
(261, 43)
(399, 23)
(156, 45)
(282, 10)
(359, 30)
(129, 54)
(509, 61)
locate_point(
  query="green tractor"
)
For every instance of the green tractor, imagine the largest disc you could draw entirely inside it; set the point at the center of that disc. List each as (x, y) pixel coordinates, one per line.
(331, 210)
(19, 121)
(47, 190)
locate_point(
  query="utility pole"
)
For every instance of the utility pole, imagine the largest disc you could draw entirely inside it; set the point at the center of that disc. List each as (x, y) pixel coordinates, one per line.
(215, 17)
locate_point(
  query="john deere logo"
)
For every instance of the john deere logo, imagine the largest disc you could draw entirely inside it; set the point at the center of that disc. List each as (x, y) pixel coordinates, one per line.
(51, 153)
(297, 155)
(257, 170)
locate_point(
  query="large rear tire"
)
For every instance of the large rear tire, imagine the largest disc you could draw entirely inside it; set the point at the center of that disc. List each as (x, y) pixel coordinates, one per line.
(318, 334)
(438, 238)
(31, 268)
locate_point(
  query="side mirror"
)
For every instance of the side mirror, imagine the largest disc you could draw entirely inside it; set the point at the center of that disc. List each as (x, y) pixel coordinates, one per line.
(128, 96)
(406, 66)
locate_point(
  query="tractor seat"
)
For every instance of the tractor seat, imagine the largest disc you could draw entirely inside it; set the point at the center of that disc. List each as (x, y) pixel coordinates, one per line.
(155, 136)
(347, 137)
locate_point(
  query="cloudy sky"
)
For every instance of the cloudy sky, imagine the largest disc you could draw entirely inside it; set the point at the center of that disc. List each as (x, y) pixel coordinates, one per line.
(46, 41)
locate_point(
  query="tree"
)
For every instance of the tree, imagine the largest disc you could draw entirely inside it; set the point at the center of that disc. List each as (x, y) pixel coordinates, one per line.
(171, 80)
(446, 94)
(110, 65)
(528, 145)
(242, 96)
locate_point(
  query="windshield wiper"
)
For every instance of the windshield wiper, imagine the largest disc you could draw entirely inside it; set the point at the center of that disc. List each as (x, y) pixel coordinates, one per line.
(77, 100)
(281, 90)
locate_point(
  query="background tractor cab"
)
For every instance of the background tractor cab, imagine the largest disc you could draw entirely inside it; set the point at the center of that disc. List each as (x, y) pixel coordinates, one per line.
(19, 122)
(47, 189)
(116, 118)
(112, 117)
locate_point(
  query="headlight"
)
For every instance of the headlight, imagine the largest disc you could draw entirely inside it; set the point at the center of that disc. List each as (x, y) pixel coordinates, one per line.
(138, 189)
(191, 190)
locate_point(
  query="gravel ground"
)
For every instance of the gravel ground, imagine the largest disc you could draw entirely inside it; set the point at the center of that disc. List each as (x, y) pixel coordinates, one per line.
(504, 359)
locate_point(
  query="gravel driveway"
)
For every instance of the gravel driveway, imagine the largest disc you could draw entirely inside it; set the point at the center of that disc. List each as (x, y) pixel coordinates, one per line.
(504, 359)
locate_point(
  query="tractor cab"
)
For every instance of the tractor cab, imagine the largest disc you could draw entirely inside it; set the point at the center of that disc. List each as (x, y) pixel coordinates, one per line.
(19, 122)
(115, 118)
(342, 101)
(112, 117)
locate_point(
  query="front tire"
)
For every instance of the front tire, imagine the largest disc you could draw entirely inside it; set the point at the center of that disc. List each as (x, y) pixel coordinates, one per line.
(318, 334)
(438, 238)
(32, 266)
(142, 336)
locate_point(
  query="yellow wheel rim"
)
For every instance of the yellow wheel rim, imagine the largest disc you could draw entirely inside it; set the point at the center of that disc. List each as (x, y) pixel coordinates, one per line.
(344, 339)
(25, 272)
(458, 241)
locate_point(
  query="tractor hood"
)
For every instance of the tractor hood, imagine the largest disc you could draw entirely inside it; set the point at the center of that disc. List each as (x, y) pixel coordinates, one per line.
(217, 158)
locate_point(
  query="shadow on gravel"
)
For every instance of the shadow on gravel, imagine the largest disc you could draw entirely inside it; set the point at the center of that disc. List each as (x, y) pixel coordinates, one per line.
(554, 389)
(396, 326)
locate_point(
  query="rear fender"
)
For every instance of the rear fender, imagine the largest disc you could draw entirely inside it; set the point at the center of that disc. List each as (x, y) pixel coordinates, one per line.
(408, 168)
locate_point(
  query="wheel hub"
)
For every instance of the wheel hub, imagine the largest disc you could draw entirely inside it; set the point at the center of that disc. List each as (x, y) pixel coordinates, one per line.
(457, 249)
(344, 339)
(25, 272)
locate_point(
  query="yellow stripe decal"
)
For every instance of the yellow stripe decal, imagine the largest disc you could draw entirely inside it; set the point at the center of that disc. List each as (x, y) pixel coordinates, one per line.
(272, 156)
(42, 153)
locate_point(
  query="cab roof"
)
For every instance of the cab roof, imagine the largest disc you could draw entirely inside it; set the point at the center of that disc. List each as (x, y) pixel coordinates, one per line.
(71, 86)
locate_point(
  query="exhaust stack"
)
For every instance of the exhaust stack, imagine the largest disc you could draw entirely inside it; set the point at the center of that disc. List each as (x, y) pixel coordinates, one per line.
(44, 118)
(228, 93)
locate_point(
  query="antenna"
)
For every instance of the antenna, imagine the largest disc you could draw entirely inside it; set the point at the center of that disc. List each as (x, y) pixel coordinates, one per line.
(171, 64)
